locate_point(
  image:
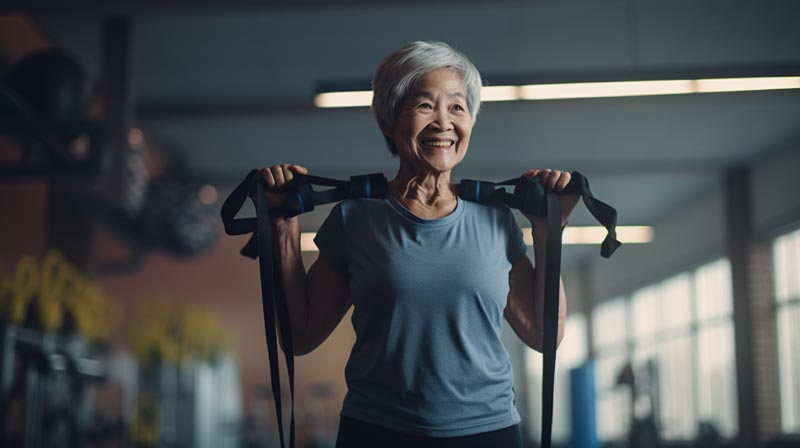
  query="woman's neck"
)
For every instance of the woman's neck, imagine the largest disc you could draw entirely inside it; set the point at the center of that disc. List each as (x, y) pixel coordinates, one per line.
(428, 195)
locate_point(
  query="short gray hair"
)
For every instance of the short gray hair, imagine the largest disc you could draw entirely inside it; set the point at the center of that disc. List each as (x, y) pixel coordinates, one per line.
(397, 73)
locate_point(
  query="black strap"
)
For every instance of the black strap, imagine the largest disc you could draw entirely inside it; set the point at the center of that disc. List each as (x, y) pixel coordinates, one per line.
(300, 198)
(530, 197)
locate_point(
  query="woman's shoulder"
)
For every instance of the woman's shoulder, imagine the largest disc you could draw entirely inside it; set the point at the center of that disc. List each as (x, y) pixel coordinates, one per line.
(486, 208)
(492, 214)
(357, 208)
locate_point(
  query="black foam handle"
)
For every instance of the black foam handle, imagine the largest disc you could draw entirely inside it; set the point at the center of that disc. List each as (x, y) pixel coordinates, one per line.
(299, 197)
(476, 190)
(369, 186)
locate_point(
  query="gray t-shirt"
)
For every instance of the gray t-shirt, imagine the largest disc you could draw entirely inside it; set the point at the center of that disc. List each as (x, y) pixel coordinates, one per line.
(429, 297)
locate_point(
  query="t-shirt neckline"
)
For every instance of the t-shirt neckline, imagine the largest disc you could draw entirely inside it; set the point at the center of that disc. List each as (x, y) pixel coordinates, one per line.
(408, 215)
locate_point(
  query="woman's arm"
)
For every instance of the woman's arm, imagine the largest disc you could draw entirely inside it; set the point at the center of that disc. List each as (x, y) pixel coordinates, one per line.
(317, 300)
(525, 308)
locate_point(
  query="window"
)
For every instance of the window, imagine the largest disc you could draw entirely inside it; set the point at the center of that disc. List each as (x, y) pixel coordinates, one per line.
(662, 335)
(786, 263)
(716, 369)
(679, 334)
(610, 335)
(571, 353)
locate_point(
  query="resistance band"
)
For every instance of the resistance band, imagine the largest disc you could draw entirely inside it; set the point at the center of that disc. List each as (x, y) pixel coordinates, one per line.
(531, 197)
(528, 196)
(300, 198)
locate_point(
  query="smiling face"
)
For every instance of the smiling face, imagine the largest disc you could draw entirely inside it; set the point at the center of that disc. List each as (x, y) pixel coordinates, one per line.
(433, 124)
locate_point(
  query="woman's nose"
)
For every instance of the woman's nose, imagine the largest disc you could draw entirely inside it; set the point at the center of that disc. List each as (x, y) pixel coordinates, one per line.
(441, 120)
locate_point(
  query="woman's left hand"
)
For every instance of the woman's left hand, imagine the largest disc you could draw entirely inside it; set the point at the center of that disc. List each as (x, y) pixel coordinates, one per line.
(555, 180)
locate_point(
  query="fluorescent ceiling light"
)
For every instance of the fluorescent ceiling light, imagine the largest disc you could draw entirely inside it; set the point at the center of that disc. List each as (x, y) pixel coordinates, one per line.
(596, 234)
(572, 235)
(500, 93)
(604, 89)
(746, 84)
(344, 99)
(590, 90)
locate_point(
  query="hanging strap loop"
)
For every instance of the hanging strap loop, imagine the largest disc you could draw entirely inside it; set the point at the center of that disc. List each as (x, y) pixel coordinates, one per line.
(300, 198)
(528, 196)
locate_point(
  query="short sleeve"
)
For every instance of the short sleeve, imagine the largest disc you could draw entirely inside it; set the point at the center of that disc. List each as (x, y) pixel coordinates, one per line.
(516, 247)
(330, 241)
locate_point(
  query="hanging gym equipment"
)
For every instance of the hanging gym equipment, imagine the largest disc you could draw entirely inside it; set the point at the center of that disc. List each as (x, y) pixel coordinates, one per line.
(43, 111)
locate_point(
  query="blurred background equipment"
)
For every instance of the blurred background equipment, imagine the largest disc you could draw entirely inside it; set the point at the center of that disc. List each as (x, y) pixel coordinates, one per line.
(53, 85)
(44, 109)
(54, 329)
(170, 210)
(643, 384)
(320, 415)
(583, 418)
(188, 382)
(178, 217)
(54, 333)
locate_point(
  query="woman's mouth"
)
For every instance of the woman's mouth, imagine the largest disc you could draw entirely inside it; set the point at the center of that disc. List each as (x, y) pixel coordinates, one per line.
(438, 143)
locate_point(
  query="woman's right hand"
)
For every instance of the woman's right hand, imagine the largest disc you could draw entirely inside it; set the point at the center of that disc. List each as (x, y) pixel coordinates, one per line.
(277, 176)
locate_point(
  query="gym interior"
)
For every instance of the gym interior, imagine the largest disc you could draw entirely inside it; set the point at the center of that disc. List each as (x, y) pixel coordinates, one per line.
(129, 318)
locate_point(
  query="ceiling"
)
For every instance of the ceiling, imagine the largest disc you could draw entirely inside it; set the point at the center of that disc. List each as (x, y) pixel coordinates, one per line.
(231, 85)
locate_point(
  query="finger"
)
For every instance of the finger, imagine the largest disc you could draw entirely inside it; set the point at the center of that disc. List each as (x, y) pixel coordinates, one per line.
(269, 179)
(278, 173)
(288, 175)
(551, 178)
(299, 169)
(564, 180)
(555, 177)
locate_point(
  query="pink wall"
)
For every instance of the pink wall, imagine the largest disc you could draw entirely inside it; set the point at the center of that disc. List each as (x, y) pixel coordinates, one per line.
(22, 220)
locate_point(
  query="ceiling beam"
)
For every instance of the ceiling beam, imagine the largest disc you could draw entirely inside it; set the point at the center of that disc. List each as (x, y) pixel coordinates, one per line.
(158, 114)
(207, 6)
(155, 113)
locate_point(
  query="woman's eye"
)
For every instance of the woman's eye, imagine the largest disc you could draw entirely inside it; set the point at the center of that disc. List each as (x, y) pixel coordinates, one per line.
(458, 107)
(425, 106)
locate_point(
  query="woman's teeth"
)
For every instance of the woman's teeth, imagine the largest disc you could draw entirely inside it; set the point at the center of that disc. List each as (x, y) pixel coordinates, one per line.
(438, 143)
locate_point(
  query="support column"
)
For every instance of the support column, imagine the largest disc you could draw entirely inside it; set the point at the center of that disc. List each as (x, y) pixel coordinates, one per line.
(764, 342)
(119, 104)
(754, 317)
(737, 211)
(70, 224)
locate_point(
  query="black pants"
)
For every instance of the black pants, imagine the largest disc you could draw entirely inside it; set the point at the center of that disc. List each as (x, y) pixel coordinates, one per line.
(357, 434)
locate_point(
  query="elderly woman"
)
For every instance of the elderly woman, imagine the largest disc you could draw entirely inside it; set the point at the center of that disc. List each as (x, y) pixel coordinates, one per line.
(429, 275)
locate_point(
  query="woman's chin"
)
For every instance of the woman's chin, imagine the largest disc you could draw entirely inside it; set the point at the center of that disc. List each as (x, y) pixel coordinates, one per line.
(440, 159)
(439, 165)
